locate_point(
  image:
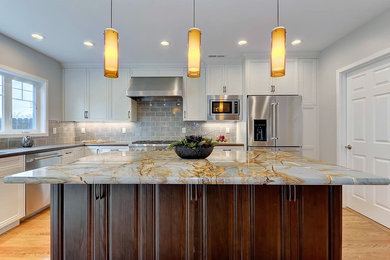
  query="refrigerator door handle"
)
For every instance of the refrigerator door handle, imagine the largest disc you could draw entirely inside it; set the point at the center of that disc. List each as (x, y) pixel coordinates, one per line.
(274, 133)
(276, 120)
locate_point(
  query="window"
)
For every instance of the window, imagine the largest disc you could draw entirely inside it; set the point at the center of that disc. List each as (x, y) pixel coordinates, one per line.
(22, 104)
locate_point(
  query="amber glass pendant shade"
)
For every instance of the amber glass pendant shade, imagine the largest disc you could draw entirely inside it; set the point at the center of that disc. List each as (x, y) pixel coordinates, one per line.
(194, 38)
(278, 52)
(111, 53)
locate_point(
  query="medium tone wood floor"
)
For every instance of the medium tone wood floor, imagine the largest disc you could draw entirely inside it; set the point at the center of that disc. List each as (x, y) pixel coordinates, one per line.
(362, 239)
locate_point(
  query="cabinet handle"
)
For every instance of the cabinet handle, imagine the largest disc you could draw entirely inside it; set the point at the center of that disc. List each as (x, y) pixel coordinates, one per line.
(185, 114)
(68, 152)
(272, 88)
(86, 114)
(128, 114)
(98, 151)
(227, 150)
(102, 193)
(292, 193)
(97, 191)
(224, 89)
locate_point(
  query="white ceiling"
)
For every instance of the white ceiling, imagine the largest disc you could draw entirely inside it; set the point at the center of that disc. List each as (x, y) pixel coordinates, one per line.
(142, 24)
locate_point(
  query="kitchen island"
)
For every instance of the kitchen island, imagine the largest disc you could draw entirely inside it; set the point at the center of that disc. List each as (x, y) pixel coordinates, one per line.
(232, 205)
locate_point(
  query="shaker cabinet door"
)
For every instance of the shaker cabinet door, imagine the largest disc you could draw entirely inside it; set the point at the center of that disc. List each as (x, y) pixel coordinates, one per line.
(75, 90)
(194, 99)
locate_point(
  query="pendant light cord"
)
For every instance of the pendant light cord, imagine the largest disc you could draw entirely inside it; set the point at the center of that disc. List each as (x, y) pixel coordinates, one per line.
(277, 13)
(111, 13)
(193, 15)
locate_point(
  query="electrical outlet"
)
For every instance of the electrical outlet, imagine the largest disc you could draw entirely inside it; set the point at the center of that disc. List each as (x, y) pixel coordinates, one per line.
(227, 130)
(123, 130)
(54, 130)
(83, 130)
(183, 130)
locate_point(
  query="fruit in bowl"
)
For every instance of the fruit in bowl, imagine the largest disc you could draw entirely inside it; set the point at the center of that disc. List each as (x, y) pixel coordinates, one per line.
(221, 138)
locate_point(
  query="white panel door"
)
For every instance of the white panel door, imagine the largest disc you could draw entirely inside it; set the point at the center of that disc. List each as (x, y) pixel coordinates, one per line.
(368, 133)
(120, 103)
(98, 95)
(214, 79)
(233, 79)
(75, 87)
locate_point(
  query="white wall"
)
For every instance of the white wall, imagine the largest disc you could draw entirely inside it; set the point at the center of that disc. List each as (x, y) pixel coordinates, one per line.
(363, 42)
(16, 55)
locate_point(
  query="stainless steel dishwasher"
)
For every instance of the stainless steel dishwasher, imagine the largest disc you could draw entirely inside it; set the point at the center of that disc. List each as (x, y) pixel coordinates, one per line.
(37, 196)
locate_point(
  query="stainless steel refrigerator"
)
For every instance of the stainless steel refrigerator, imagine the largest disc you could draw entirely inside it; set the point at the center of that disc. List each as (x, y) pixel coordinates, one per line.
(275, 122)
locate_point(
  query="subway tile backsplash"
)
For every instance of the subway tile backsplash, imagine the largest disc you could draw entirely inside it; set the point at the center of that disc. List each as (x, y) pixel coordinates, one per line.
(157, 120)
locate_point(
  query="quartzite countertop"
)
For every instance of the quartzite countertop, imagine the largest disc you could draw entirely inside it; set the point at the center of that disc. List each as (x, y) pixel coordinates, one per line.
(164, 167)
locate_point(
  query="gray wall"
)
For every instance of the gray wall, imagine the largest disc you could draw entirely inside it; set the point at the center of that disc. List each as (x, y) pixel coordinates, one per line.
(363, 42)
(18, 56)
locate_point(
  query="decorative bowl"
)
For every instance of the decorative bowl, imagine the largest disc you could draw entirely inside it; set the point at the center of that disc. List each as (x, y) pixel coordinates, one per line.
(193, 153)
(27, 141)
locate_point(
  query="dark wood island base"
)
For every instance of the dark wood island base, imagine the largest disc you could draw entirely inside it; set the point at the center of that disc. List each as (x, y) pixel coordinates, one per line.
(180, 221)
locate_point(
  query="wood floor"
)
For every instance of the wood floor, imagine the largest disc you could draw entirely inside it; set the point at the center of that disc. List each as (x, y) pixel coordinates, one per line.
(362, 239)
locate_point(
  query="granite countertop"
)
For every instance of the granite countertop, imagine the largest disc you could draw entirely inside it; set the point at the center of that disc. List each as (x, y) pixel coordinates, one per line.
(48, 148)
(164, 167)
(36, 149)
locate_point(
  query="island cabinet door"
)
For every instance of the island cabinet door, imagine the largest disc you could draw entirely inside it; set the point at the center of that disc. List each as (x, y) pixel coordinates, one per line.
(226, 221)
(71, 221)
(312, 222)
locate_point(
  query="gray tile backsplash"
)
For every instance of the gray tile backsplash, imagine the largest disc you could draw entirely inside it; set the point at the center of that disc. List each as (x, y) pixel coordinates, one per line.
(66, 134)
(157, 120)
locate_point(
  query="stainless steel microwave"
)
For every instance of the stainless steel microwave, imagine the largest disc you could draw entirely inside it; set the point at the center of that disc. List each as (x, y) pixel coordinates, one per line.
(224, 107)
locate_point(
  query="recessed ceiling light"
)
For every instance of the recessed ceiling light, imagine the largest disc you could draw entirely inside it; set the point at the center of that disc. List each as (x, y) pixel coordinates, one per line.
(296, 42)
(37, 36)
(242, 43)
(165, 43)
(88, 43)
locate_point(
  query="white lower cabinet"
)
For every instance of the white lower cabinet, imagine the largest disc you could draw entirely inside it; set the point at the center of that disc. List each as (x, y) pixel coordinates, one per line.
(12, 207)
(72, 154)
(92, 149)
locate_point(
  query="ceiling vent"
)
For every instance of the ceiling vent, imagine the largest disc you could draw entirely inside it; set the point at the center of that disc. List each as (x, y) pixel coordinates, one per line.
(216, 56)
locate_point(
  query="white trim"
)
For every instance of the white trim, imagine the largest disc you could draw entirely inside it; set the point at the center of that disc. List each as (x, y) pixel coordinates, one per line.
(341, 77)
(42, 118)
(341, 95)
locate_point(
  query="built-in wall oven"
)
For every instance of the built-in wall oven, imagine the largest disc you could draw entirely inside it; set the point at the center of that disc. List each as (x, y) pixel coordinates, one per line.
(224, 107)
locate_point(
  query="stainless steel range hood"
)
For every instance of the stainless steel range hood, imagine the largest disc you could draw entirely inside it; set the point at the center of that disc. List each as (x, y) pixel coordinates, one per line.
(141, 87)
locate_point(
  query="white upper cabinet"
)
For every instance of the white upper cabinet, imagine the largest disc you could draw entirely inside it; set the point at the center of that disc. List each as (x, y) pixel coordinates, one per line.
(89, 96)
(224, 79)
(194, 99)
(307, 79)
(75, 88)
(259, 81)
(122, 107)
(96, 106)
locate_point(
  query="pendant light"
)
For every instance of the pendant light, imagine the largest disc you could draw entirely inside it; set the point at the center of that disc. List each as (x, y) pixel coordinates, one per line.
(194, 39)
(278, 48)
(111, 51)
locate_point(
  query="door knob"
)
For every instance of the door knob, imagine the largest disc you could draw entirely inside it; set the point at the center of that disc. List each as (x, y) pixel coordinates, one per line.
(349, 147)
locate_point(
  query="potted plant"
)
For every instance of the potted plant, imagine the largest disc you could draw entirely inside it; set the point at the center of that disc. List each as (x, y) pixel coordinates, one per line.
(193, 147)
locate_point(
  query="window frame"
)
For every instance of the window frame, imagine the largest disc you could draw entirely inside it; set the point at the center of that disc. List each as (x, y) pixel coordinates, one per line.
(41, 103)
